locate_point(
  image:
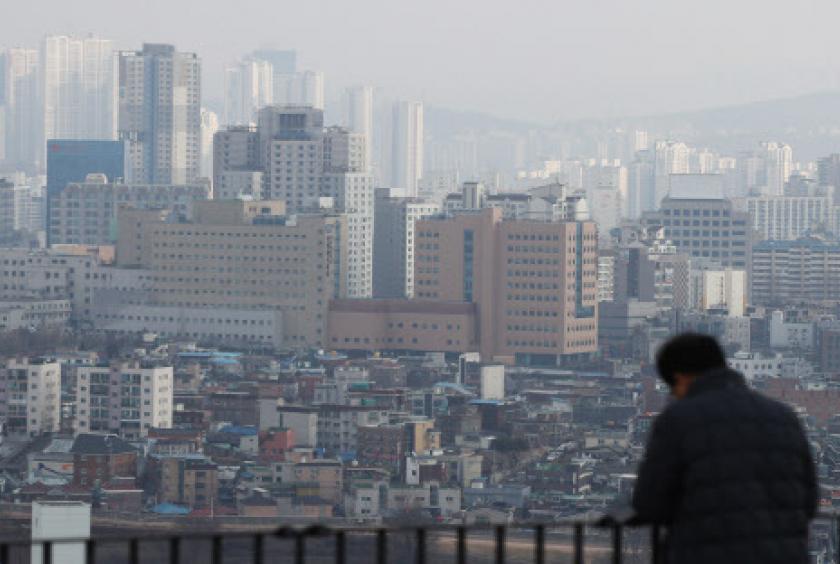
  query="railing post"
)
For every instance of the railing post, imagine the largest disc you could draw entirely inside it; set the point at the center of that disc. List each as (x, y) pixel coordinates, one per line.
(300, 548)
(216, 557)
(133, 551)
(500, 544)
(539, 544)
(258, 548)
(381, 547)
(90, 552)
(421, 546)
(617, 549)
(174, 550)
(46, 557)
(462, 546)
(654, 544)
(340, 547)
(578, 543)
(4, 553)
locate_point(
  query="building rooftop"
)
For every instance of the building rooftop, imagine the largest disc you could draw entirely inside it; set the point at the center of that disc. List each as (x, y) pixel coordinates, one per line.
(88, 443)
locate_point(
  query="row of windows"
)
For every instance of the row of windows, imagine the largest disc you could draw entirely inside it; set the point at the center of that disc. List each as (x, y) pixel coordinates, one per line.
(533, 298)
(696, 212)
(271, 235)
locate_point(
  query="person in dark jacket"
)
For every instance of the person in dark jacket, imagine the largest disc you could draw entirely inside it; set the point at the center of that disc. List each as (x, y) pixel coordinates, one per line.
(727, 471)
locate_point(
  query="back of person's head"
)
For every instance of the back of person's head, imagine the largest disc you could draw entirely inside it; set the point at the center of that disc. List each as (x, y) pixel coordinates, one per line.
(689, 353)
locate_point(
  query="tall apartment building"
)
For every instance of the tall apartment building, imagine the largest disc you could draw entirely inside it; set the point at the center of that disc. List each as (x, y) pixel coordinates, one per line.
(828, 173)
(78, 88)
(249, 86)
(517, 290)
(21, 208)
(407, 146)
(209, 127)
(282, 61)
(393, 244)
(669, 157)
(7, 210)
(127, 398)
(640, 184)
(85, 213)
(23, 123)
(249, 256)
(237, 169)
(652, 271)
(299, 161)
(304, 87)
(787, 217)
(30, 396)
(778, 163)
(795, 272)
(160, 114)
(358, 110)
(705, 227)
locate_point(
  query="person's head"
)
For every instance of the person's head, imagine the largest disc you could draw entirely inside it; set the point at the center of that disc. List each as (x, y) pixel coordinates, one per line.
(685, 357)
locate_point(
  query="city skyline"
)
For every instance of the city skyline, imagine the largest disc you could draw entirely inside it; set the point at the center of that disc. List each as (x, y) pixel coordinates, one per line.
(370, 268)
(612, 72)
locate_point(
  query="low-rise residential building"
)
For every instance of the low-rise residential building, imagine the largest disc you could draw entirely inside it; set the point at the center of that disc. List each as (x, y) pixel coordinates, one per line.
(101, 458)
(30, 396)
(190, 481)
(127, 398)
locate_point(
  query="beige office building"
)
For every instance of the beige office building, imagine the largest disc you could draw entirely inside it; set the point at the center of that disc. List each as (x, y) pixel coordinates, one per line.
(532, 284)
(243, 255)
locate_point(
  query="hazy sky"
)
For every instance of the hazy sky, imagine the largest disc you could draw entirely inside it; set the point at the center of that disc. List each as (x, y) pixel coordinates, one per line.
(546, 60)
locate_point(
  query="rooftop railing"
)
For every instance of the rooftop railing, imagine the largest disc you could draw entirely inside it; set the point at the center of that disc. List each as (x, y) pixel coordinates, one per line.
(576, 542)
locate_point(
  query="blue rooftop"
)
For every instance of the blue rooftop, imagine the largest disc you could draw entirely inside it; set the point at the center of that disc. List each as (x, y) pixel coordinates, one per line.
(239, 430)
(170, 509)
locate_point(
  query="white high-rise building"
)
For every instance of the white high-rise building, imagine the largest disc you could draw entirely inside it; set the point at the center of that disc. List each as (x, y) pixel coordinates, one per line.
(160, 114)
(209, 127)
(126, 398)
(778, 162)
(671, 157)
(30, 396)
(304, 87)
(21, 205)
(353, 196)
(606, 187)
(249, 86)
(22, 110)
(407, 146)
(78, 88)
(359, 115)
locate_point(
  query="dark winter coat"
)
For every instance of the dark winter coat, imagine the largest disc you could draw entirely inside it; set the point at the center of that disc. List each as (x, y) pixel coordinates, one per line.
(729, 473)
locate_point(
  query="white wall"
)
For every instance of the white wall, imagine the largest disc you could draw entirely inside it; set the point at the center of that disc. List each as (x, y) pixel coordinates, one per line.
(61, 520)
(493, 382)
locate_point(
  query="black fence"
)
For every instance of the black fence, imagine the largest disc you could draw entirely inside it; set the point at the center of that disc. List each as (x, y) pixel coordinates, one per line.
(575, 542)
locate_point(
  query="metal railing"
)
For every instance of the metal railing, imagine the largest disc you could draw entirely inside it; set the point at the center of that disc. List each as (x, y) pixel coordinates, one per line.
(402, 544)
